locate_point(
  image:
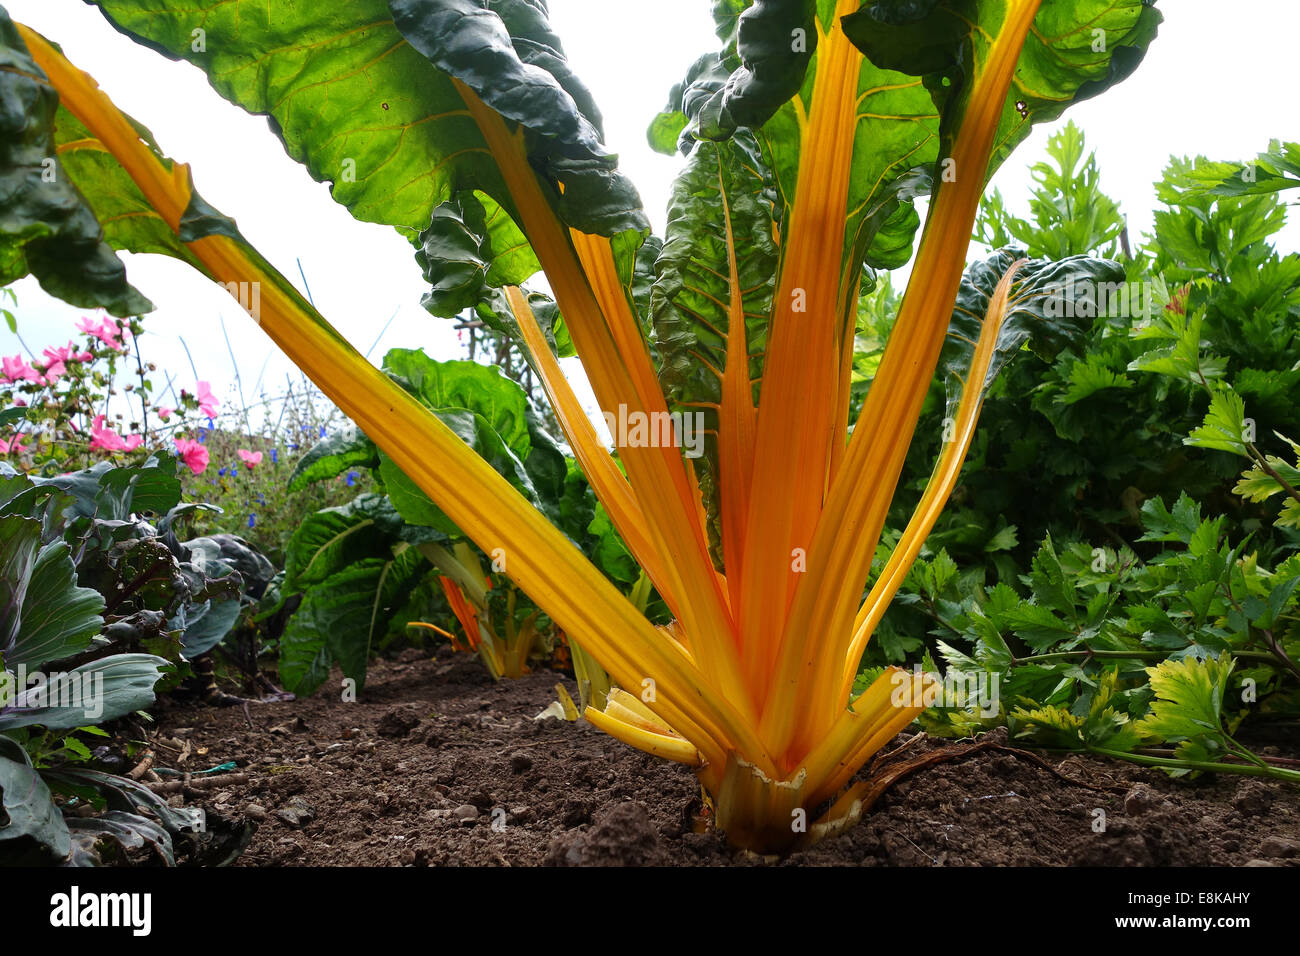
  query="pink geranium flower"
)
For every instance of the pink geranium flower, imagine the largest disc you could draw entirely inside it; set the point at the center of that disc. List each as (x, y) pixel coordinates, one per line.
(164, 412)
(17, 369)
(55, 371)
(193, 454)
(12, 446)
(250, 458)
(208, 403)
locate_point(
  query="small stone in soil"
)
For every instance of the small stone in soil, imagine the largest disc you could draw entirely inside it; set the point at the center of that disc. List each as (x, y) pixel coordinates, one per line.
(621, 835)
(520, 761)
(1276, 846)
(297, 812)
(1140, 799)
(398, 721)
(466, 813)
(1253, 798)
(255, 812)
(576, 813)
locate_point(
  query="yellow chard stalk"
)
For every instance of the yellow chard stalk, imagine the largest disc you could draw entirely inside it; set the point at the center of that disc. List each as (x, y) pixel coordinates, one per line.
(751, 683)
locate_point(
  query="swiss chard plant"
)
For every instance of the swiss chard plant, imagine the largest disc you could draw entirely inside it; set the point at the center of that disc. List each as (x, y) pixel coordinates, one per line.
(806, 139)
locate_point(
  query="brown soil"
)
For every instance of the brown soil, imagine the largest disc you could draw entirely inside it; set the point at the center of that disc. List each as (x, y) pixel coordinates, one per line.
(437, 766)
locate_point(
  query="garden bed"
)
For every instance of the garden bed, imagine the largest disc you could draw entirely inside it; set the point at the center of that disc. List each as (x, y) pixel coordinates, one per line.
(422, 767)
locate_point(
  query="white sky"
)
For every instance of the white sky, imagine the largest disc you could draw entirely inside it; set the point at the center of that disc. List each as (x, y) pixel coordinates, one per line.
(1212, 84)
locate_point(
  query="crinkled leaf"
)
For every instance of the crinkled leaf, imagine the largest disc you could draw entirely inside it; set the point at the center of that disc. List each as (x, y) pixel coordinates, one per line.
(47, 226)
(1075, 50)
(333, 455)
(774, 41)
(723, 209)
(341, 618)
(469, 247)
(333, 538)
(1051, 308)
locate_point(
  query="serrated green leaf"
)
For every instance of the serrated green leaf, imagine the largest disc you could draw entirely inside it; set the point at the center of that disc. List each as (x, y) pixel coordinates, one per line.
(1224, 428)
(1189, 699)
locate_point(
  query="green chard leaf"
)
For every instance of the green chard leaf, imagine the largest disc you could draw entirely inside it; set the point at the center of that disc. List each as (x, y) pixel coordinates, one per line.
(48, 228)
(363, 96)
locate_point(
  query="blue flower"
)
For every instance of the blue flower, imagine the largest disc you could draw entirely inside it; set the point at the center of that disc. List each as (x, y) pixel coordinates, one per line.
(222, 472)
(252, 520)
(322, 431)
(275, 456)
(352, 478)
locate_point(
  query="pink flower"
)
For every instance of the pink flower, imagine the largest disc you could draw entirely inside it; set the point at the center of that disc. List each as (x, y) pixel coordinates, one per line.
(12, 446)
(53, 355)
(250, 458)
(55, 371)
(208, 403)
(164, 412)
(66, 353)
(103, 438)
(17, 369)
(106, 330)
(193, 454)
